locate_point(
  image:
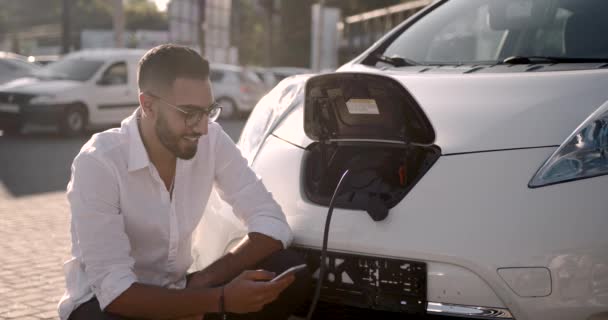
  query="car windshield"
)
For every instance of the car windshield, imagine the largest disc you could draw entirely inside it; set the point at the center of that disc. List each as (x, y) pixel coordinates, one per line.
(490, 31)
(70, 69)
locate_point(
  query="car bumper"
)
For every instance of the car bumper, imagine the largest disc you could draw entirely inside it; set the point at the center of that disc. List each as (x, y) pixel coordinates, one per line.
(37, 114)
(470, 216)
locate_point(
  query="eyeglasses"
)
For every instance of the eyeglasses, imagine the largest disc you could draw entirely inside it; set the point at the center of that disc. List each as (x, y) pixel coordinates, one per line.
(193, 117)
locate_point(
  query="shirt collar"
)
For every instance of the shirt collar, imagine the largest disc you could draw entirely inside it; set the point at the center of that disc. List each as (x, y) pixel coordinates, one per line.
(138, 156)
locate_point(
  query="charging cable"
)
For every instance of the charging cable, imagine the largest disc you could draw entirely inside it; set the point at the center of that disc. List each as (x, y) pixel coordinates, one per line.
(322, 265)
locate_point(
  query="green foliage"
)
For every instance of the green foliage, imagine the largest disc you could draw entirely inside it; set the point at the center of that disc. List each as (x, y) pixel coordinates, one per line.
(85, 14)
(249, 32)
(292, 43)
(143, 14)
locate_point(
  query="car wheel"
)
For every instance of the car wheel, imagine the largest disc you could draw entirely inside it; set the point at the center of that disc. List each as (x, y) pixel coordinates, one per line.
(229, 109)
(73, 122)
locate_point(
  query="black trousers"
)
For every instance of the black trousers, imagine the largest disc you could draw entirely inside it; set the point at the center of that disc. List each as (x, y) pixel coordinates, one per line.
(289, 300)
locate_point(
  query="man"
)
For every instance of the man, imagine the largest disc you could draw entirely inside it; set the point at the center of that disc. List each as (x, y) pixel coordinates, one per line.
(136, 194)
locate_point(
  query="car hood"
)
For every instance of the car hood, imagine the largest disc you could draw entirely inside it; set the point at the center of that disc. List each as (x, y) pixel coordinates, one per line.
(38, 86)
(492, 111)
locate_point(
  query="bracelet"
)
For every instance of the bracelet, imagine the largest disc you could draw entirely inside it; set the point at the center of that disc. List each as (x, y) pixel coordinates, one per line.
(222, 305)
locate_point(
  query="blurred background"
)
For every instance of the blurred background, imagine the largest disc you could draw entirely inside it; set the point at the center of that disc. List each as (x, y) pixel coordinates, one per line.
(251, 44)
(55, 52)
(265, 33)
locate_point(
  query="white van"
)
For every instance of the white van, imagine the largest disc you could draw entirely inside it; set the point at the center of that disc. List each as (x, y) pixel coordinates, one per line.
(90, 88)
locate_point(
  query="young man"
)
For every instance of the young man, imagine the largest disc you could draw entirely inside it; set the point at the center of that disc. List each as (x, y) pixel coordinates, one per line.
(136, 194)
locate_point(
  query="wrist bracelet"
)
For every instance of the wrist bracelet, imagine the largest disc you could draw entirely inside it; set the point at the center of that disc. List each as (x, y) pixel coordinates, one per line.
(222, 305)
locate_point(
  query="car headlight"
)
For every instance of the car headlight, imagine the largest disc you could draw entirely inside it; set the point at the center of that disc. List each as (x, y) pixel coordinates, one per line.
(269, 112)
(584, 154)
(44, 99)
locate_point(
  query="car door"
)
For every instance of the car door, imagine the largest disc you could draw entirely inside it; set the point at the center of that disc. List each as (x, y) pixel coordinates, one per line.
(114, 96)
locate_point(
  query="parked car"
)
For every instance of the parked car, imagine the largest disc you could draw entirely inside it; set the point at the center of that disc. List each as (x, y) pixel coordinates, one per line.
(86, 88)
(273, 75)
(236, 88)
(46, 59)
(13, 66)
(475, 135)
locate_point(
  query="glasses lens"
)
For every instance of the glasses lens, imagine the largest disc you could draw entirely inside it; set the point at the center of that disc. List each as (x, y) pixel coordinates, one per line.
(193, 118)
(214, 113)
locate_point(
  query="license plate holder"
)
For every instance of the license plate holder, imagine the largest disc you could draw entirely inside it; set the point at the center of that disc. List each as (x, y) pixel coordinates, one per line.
(370, 282)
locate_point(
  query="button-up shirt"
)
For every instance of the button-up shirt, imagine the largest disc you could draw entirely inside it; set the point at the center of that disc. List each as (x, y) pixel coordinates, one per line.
(127, 228)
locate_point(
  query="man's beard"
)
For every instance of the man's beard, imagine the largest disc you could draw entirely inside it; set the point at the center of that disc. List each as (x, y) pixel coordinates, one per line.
(171, 140)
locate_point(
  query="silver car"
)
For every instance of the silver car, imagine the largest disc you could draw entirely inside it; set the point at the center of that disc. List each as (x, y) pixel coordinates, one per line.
(237, 89)
(13, 66)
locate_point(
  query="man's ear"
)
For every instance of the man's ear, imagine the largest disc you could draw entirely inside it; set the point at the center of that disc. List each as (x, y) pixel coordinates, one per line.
(145, 101)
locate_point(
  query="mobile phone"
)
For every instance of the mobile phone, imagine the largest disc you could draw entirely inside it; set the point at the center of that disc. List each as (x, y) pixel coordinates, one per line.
(289, 271)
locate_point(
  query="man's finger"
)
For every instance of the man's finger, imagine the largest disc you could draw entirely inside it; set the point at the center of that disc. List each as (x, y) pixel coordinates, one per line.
(275, 288)
(285, 282)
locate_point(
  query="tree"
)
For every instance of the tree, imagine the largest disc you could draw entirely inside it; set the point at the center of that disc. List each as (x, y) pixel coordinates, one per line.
(249, 35)
(294, 47)
(20, 16)
(143, 14)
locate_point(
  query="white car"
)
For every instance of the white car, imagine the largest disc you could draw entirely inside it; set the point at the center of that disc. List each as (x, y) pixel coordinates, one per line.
(273, 75)
(13, 66)
(475, 135)
(236, 88)
(89, 88)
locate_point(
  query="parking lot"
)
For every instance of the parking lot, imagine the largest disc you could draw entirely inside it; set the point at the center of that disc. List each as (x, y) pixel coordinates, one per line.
(34, 220)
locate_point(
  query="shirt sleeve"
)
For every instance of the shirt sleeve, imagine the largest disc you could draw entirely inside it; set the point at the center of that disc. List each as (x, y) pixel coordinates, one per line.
(250, 200)
(98, 226)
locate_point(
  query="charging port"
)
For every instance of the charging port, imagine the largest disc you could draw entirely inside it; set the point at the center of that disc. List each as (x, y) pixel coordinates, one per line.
(380, 174)
(372, 126)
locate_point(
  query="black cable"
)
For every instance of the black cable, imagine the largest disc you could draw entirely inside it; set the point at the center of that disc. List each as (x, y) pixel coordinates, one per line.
(315, 299)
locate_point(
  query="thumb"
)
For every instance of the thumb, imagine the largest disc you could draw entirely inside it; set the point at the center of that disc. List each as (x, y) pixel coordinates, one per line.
(258, 275)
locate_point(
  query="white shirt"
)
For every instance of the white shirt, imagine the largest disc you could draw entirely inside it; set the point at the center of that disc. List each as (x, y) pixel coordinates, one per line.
(126, 228)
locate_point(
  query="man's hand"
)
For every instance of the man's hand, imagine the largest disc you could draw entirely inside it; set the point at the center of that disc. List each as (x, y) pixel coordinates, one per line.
(199, 279)
(252, 290)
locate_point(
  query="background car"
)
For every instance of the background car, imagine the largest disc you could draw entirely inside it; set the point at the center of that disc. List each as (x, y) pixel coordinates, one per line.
(273, 75)
(46, 59)
(236, 88)
(13, 66)
(89, 88)
(475, 137)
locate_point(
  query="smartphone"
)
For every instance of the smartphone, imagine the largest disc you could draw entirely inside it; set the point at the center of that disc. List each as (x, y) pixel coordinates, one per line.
(289, 271)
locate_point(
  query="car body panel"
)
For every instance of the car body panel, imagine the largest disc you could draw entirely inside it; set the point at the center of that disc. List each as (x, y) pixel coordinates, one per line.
(487, 238)
(480, 112)
(477, 236)
(464, 243)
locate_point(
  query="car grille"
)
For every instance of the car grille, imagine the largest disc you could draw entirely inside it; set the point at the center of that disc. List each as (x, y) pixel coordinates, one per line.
(15, 98)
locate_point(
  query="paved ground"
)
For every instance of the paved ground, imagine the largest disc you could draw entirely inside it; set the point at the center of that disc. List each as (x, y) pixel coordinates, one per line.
(34, 221)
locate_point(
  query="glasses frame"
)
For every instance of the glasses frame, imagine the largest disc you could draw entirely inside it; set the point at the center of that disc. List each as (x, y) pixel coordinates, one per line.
(196, 115)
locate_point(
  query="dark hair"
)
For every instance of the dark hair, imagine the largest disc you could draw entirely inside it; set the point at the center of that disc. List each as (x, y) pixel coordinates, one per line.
(161, 65)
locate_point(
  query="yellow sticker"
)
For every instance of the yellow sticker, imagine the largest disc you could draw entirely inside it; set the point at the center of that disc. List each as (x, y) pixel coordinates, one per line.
(362, 106)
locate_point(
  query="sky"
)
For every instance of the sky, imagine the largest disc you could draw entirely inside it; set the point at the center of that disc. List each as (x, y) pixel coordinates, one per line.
(161, 4)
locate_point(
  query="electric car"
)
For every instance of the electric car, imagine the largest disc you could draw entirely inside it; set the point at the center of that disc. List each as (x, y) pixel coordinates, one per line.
(462, 160)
